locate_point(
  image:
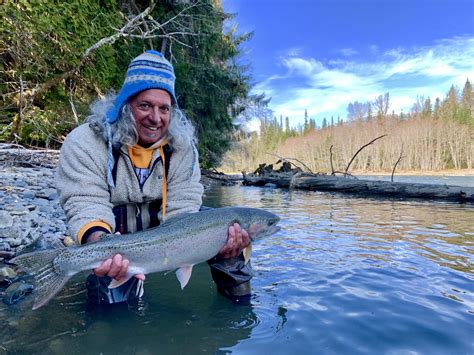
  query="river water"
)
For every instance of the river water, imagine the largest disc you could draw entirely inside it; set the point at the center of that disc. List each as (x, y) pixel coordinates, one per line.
(345, 275)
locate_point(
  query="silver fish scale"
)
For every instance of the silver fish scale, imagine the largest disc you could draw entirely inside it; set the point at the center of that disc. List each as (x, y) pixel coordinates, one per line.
(183, 241)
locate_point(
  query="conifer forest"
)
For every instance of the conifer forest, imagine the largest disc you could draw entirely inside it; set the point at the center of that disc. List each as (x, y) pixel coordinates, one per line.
(56, 58)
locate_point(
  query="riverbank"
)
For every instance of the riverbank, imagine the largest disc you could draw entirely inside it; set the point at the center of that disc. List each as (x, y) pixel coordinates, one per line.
(30, 210)
(451, 172)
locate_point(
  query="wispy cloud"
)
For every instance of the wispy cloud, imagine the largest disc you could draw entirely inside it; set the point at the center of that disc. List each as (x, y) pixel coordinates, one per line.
(348, 52)
(325, 88)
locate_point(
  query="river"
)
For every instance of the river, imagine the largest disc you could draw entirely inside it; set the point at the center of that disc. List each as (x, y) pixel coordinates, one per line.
(345, 275)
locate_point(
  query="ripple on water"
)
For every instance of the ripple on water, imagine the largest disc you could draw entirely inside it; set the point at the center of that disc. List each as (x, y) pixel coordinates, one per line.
(344, 275)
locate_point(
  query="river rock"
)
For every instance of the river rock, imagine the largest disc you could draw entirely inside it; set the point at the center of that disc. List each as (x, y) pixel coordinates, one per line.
(6, 219)
(7, 271)
(30, 208)
(17, 291)
(49, 194)
(29, 195)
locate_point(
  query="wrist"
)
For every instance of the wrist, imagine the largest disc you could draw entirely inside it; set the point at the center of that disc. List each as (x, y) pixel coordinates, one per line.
(93, 237)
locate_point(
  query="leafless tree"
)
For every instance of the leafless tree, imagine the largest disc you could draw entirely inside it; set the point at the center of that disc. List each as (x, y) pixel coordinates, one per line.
(382, 104)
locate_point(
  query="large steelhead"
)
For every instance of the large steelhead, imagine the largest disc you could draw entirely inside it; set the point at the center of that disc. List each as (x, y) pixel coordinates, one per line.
(178, 243)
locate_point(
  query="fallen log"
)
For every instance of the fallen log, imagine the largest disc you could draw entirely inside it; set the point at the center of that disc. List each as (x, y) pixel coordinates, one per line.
(15, 155)
(382, 188)
(222, 178)
(279, 179)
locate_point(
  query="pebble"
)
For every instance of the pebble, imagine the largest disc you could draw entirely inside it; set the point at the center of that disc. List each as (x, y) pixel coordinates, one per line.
(6, 271)
(6, 219)
(29, 208)
(17, 291)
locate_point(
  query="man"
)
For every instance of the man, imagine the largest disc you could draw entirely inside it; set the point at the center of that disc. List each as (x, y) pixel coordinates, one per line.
(130, 167)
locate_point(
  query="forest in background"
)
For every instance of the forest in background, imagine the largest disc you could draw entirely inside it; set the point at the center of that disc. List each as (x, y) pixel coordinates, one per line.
(56, 57)
(431, 137)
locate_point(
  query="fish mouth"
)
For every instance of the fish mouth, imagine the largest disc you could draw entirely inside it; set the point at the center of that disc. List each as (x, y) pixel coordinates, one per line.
(273, 229)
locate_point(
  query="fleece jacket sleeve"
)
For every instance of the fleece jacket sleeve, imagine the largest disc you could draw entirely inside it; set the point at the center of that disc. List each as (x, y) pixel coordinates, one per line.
(82, 183)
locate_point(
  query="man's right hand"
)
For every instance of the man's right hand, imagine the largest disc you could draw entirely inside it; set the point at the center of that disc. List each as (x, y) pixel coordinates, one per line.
(115, 267)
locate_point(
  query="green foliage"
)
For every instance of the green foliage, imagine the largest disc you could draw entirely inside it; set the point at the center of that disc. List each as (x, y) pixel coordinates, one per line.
(43, 67)
(41, 40)
(209, 81)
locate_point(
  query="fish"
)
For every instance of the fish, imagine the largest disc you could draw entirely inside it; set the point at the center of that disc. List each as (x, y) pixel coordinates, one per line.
(177, 244)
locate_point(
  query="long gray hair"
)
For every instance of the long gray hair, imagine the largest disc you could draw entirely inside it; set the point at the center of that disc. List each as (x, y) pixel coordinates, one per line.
(124, 132)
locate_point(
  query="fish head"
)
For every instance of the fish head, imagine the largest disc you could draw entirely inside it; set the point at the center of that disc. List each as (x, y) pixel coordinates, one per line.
(259, 223)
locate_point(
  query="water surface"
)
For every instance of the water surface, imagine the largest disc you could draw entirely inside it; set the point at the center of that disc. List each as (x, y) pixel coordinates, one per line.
(345, 275)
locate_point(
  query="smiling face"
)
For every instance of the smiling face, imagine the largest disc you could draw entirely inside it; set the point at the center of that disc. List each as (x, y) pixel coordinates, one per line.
(151, 109)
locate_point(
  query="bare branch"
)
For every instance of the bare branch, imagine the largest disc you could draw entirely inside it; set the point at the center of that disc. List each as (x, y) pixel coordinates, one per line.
(129, 26)
(360, 149)
(398, 161)
(330, 158)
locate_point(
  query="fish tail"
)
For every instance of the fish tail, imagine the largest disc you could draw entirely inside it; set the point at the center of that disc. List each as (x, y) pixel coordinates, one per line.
(49, 280)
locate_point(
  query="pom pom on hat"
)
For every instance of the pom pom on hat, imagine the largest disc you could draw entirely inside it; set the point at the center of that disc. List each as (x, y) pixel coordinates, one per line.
(150, 70)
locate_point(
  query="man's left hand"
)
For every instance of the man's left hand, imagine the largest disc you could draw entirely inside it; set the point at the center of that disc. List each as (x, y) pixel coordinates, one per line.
(238, 239)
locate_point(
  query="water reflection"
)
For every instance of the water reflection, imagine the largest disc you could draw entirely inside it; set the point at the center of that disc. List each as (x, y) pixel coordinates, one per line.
(345, 275)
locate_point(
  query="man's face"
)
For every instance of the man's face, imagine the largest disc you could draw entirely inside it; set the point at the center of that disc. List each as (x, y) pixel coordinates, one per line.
(151, 109)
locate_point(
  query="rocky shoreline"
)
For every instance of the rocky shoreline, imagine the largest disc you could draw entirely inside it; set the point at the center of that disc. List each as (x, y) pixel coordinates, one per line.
(30, 212)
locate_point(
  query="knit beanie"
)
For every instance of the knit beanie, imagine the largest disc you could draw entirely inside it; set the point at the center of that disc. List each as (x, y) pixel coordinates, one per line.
(150, 70)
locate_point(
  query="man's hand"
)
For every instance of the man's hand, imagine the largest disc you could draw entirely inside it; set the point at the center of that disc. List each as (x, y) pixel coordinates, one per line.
(115, 267)
(238, 239)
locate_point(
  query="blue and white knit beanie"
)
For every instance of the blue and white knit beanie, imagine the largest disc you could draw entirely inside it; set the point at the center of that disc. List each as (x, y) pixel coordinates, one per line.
(150, 70)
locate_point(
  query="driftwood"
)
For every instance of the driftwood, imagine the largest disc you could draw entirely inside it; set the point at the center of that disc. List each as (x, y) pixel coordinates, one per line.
(16, 155)
(382, 188)
(287, 163)
(224, 179)
(279, 179)
(266, 174)
(396, 163)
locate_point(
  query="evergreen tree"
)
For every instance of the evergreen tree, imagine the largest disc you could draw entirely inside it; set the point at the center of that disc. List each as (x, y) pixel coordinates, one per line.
(306, 123)
(426, 112)
(467, 104)
(324, 124)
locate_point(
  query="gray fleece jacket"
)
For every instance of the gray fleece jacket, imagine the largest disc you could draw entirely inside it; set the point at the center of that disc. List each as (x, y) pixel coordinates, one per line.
(81, 180)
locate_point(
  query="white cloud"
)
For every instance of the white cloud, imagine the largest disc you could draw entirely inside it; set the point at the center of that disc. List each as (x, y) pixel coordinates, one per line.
(327, 89)
(301, 66)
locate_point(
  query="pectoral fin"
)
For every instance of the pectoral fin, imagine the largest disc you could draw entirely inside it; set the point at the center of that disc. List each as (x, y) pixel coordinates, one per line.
(116, 283)
(184, 274)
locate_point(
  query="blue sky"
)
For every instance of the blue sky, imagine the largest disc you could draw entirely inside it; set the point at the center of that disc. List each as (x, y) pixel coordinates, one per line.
(320, 55)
